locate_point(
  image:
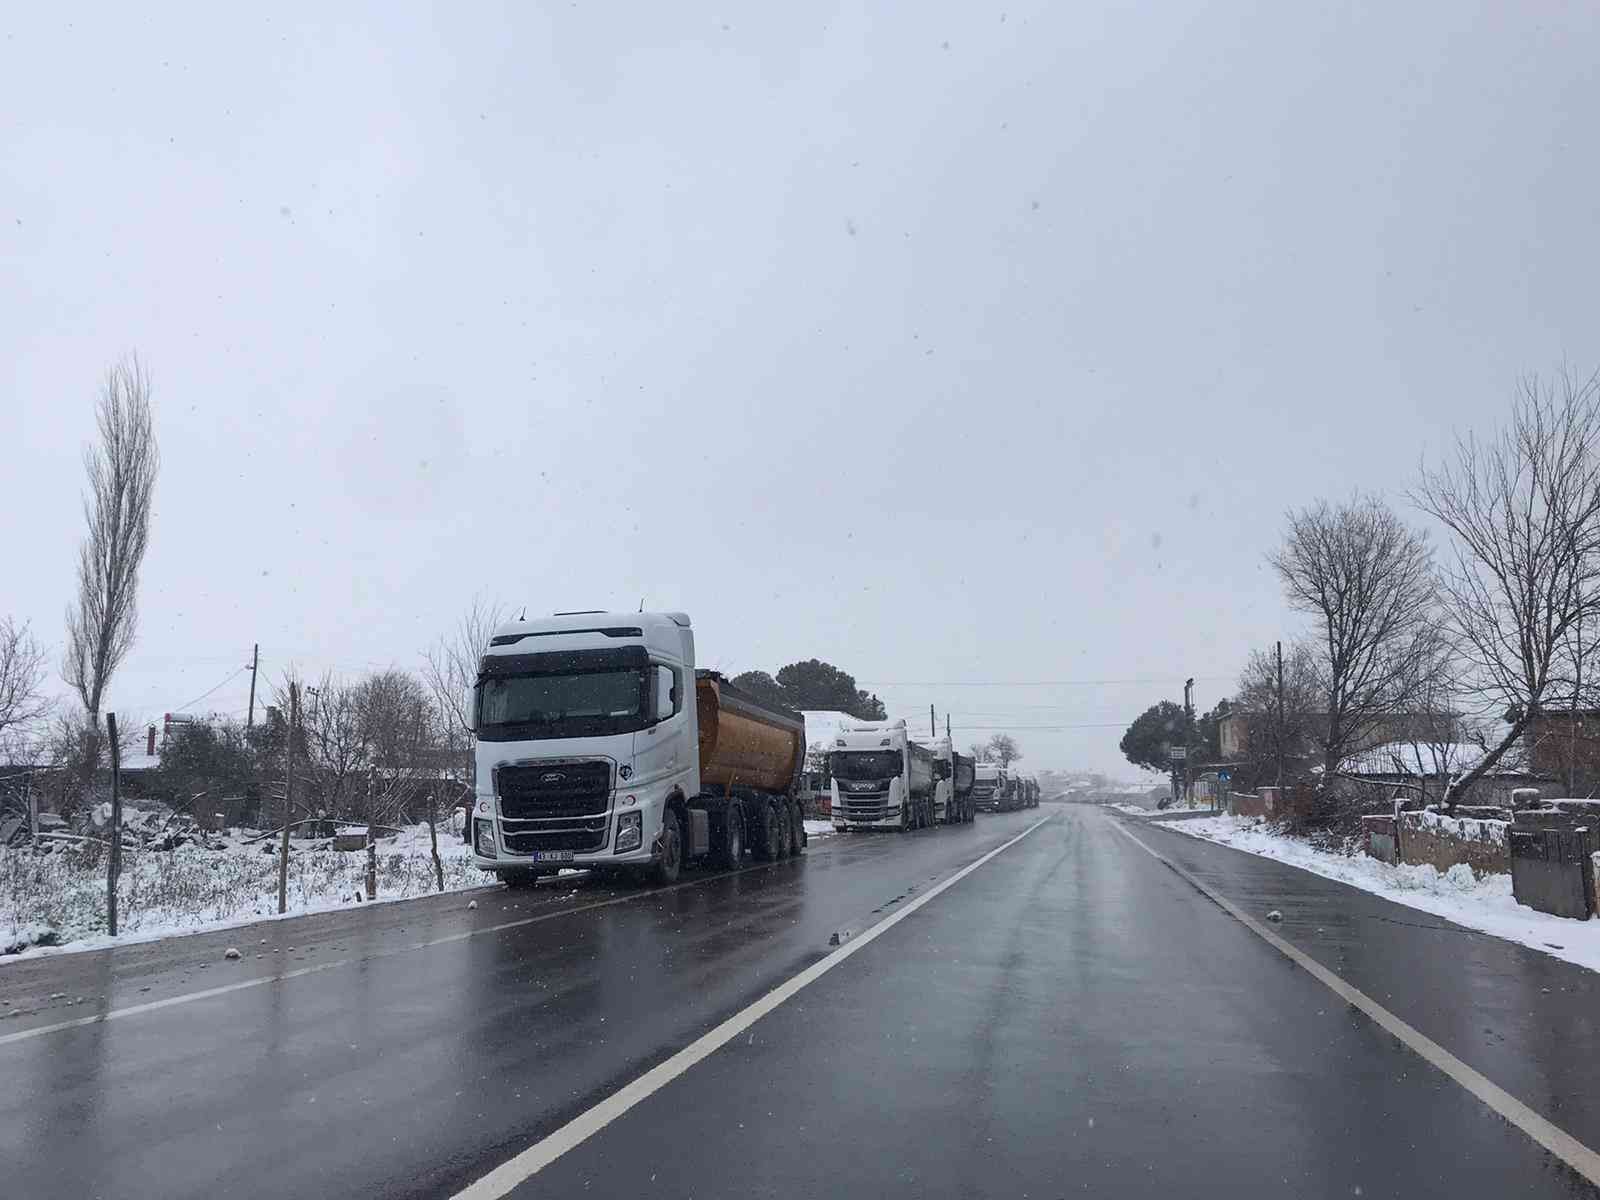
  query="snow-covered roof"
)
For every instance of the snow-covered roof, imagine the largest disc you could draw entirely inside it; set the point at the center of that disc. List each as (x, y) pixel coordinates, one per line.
(1424, 758)
(139, 761)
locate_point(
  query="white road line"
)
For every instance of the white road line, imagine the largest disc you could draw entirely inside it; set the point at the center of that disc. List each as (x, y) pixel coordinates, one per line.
(134, 1010)
(542, 1153)
(1554, 1139)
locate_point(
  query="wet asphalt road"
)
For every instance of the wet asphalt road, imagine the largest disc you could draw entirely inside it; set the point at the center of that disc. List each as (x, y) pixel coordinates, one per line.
(1071, 1018)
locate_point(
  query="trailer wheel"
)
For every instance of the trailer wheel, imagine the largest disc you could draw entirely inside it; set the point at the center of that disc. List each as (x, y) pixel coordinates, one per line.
(768, 842)
(730, 848)
(785, 828)
(797, 828)
(671, 862)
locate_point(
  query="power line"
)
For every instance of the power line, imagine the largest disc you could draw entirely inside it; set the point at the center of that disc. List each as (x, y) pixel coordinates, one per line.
(191, 703)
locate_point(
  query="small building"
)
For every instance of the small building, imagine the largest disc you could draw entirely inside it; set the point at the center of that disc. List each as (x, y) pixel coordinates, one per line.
(1423, 770)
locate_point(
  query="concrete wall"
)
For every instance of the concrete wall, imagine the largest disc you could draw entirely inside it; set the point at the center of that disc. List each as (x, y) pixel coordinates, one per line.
(1479, 844)
(1251, 804)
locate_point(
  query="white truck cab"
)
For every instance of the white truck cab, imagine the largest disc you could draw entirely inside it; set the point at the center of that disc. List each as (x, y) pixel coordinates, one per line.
(585, 728)
(882, 779)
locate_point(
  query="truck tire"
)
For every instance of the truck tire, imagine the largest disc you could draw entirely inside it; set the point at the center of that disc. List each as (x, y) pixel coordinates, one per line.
(785, 828)
(670, 864)
(797, 828)
(768, 841)
(730, 846)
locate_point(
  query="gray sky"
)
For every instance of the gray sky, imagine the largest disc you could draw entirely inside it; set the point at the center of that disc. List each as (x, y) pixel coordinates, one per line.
(947, 342)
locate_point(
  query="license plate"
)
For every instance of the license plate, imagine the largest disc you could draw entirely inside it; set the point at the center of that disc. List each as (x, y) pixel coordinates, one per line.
(553, 856)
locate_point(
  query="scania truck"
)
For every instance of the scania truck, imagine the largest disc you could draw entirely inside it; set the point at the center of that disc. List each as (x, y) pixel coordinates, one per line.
(600, 745)
(882, 778)
(989, 787)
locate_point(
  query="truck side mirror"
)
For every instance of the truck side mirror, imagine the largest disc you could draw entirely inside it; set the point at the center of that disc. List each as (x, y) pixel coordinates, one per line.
(665, 705)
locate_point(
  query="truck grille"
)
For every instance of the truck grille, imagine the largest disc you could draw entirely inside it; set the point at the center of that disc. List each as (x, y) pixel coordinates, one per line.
(580, 836)
(537, 791)
(865, 808)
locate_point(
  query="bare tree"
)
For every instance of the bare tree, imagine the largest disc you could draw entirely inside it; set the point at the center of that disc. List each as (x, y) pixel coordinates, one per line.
(1003, 749)
(122, 469)
(23, 703)
(332, 722)
(1523, 511)
(451, 672)
(451, 668)
(1267, 742)
(1368, 583)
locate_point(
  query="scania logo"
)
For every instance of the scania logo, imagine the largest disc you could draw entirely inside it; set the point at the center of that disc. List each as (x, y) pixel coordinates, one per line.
(553, 777)
(626, 772)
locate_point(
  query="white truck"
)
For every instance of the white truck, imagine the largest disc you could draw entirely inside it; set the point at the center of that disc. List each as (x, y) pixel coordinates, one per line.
(600, 745)
(990, 787)
(952, 782)
(882, 777)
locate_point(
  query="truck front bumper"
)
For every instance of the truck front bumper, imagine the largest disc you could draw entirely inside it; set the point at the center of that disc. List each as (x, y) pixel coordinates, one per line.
(489, 851)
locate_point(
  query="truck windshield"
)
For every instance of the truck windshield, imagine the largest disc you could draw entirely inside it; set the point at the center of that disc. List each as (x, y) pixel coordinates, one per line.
(866, 764)
(541, 706)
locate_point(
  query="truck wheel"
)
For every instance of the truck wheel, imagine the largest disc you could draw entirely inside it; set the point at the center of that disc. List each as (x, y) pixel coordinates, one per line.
(797, 828)
(730, 850)
(769, 845)
(905, 817)
(671, 862)
(785, 829)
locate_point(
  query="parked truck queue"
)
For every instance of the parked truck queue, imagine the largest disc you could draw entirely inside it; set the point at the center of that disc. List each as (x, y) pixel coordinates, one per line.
(601, 745)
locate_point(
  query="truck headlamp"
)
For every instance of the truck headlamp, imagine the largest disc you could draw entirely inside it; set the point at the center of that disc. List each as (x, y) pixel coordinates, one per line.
(630, 832)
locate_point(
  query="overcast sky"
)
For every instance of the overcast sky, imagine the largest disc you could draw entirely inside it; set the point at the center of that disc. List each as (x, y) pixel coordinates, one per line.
(952, 343)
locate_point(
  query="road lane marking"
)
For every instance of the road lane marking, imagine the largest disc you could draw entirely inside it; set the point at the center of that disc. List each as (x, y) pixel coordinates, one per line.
(1556, 1140)
(535, 1158)
(134, 1010)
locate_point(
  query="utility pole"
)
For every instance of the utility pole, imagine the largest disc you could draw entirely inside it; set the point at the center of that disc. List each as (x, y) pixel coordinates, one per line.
(1188, 740)
(933, 726)
(947, 730)
(1280, 722)
(114, 858)
(1572, 748)
(255, 661)
(288, 800)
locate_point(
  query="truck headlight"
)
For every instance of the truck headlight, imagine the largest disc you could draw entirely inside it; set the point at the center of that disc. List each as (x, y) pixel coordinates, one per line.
(483, 838)
(630, 832)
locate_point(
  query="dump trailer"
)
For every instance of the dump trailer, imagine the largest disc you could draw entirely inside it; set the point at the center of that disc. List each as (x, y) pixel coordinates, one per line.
(600, 745)
(964, 768)
(952, 782)
(882, 778)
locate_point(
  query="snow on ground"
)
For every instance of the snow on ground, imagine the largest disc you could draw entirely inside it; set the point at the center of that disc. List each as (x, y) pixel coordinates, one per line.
(1136, 809)
(52, 902)
(816, 829)
(1483, 904)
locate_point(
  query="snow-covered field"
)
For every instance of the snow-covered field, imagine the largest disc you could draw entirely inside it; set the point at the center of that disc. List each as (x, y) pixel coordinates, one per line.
(55, 902)
(58, 900)
(1483, 904)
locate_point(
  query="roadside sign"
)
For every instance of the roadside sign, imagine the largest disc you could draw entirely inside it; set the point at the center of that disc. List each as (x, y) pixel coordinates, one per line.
(1177, 753)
